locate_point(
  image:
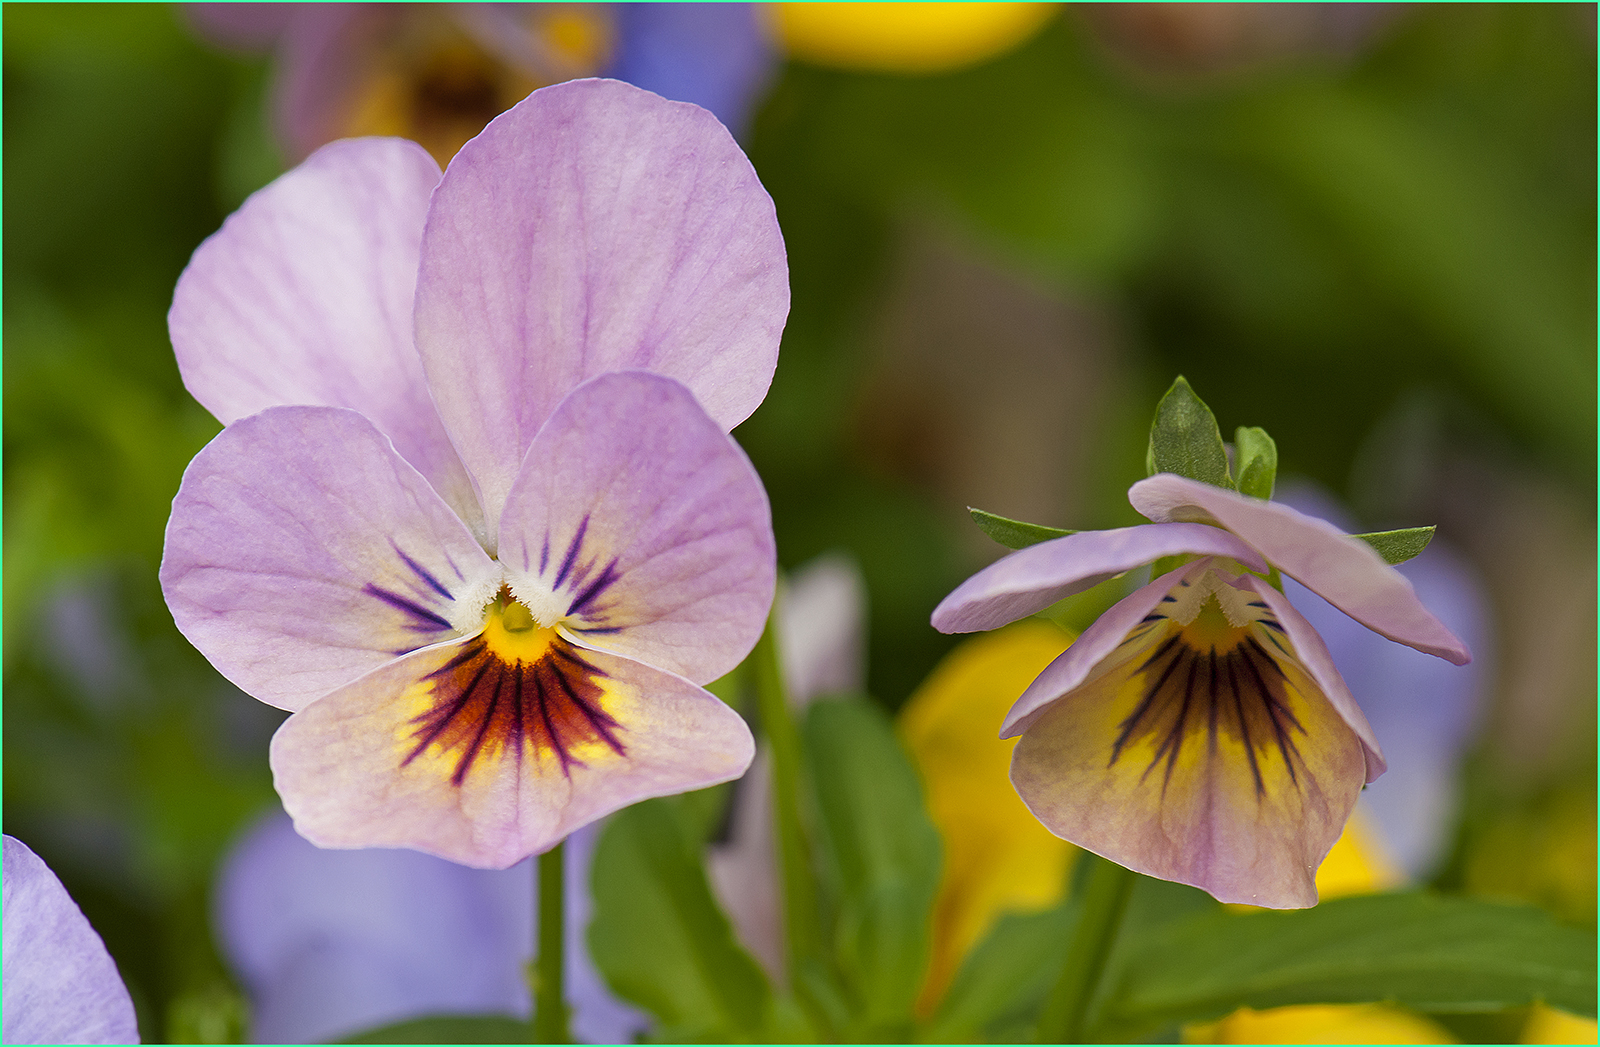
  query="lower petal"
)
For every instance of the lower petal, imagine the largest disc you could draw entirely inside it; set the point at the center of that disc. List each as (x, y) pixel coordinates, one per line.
(1226, 770)
(462, 753)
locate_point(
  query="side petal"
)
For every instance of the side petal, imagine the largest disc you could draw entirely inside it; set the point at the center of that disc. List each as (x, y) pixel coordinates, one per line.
(305, 295)
(1345, 571)
(303, 551)
(1319, 663)
(487, 764)
(642, 527)
(60, 985)
(1029, 580)
(594, 227)
(1097, 643)
(1230, 772)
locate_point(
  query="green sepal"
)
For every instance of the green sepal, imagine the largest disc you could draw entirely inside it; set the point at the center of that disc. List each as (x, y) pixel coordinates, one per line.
(1184, 439)
(1419, 950)
(1255, 458)
(449, 1028)
(1014, 534)
(1398, 546)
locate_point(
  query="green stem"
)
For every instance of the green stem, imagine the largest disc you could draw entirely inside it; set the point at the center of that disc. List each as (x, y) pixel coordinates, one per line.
(1105, 899)
(783, 738)
(549, 995)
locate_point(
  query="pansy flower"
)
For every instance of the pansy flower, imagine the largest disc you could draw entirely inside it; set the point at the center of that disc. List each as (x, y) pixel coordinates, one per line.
(1198, 730)
(61, 986)
(475, 519)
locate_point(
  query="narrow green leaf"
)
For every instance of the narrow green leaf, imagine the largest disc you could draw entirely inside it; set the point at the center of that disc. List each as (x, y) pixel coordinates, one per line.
(1014, 534)
(1256, 456)
(1184, 438)
(1398, 546)
(450, 1028)
(1419, 950)
(658, 936)
(1005, 976)
(881, 855)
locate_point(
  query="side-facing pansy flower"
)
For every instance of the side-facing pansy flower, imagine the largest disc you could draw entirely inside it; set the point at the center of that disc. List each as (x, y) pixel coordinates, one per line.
(486, 575)
(1198, 730)
(60, 984)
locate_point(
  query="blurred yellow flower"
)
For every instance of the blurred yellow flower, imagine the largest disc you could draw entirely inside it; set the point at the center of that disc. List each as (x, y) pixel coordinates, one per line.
(1321, 1023)
(1548, 1025)
(906, 38)
(998, 858)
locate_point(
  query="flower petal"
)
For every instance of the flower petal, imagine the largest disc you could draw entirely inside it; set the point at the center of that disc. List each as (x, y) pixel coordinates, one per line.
(594, 227)
(1319, 663)
(719, 56)
(822, 625)
(1237, 777)
(303, 551)
(60, 985)
(1031, 579)
(487, 764)
(1346, 571)
(1089, 650)
(642, 525)
(305, 295)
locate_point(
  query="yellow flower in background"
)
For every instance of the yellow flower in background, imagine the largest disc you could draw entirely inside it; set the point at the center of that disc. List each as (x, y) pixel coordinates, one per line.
(998, 858)
(906, 38)
(1548, 1025)
(1321, 1023)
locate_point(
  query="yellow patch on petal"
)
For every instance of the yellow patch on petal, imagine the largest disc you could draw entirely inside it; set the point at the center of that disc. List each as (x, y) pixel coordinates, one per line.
(906, 38)
(998, 858)
(1548, 1025)
(1321, 1023)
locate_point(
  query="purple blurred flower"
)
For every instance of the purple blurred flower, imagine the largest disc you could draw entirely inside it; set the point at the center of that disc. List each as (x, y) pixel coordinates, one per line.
(1198, 731)
(437, 73)
(60, 984)
(329, 943)
(486, 575)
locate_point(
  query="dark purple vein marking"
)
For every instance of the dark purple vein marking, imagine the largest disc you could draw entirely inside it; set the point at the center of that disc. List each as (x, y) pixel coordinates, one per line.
(425, 620)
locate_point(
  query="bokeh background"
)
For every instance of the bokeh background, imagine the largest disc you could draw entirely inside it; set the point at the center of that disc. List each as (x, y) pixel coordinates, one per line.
(1369, 229)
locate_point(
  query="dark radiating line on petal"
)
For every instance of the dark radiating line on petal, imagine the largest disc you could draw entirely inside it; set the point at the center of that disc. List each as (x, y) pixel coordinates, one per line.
(483, 732)
(1267, 704)
(1174, 739)
(568, 654)
(471, 650)
(1244, 727)
(572, 552)
(1271, 623)
(1131, 723)
(550, 728)
(608, 577)
(400, 603)
(437, 721)
(599, 719)
(597, 630)
(1255, 645)
(544, 554)
(1172, 641)
(1216, 703)
(1156, 617)
(424, 574)
(1169, 598)
(1256, 603)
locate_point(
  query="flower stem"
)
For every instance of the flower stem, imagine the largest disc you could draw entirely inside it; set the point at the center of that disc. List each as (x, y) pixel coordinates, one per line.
(1105, 899)
(549, 997)
(801, 928)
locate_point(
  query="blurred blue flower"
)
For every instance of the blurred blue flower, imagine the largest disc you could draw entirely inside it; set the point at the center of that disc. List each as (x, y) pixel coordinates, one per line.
(60, 984)
(329, 943)
(1424, 711)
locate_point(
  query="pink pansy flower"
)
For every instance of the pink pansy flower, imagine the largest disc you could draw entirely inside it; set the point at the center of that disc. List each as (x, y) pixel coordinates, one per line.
(475, 518)
(1198, 731)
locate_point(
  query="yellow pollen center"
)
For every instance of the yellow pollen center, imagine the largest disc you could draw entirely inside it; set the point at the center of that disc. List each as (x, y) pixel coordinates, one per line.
(512, 635)
(1211, 631)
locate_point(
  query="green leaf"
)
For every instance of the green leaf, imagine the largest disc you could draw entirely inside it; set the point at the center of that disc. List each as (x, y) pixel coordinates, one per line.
(1184, 438)
(880, 854)
(658, 936)
(1014, 534)
(1398, 546)
(1005, 976)
(449, 1028)
(1421, 951)
(1256, 456)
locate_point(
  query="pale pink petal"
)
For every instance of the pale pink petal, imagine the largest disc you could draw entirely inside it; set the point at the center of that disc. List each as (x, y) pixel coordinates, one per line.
(594, 227)
(641, 526)
(1097, 642)
(60, 985)
(1197, 778)
(1345, 571)
(305, 297)
(1313, 653)
(822, 625)
(398, 760)
(1031, 579)
(303, 551)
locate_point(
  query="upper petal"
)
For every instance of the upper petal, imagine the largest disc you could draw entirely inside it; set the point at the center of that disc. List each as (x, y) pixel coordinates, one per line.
(594, 227)
(484, 762)
(303, 551)
(641, 525)
(1031, 579)
(60, 985)
(1345, 571)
